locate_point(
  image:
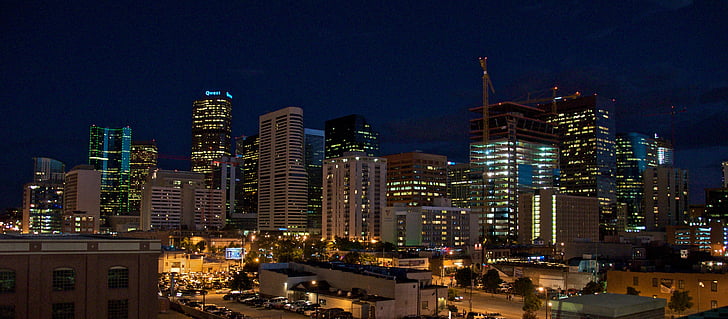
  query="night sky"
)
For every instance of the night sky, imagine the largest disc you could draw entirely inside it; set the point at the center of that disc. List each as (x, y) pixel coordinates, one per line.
(410, 67)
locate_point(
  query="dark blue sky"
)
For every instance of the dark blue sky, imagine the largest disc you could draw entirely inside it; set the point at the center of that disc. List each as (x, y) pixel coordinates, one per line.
(409, 67)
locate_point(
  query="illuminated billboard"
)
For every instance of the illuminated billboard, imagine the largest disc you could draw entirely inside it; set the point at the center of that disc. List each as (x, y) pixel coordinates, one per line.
(234, 253)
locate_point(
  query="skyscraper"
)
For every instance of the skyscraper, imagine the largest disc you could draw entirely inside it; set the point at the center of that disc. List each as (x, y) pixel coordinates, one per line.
(246, 149)
(314, 157)
(143, 157)
(43, 198)
(351, 133)
(354, 197)
(282, 179)
(211, 127)
(521, 155)
(665, 197)
(416, 178)
(110, 153)
(635, 153)
(82, 200)
(586, 130)
(460, 181)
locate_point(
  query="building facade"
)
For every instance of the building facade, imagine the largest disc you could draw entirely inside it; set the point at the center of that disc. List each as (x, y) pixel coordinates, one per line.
(73, 276)
(82, 200)
(43, 198)
(521, 155)
(282, 179)
(587, 160)
(635, 153)
(314, 158)
(665, 197)
(438, 225)
(143, 157)
(110, 154)
(351, 133)
(557, 218)
(415, 178)
(211, 131)
(716, 204)
(354, 197)
(460, 180)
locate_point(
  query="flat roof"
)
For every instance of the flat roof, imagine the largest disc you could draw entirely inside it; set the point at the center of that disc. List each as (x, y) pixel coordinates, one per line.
(608, 305)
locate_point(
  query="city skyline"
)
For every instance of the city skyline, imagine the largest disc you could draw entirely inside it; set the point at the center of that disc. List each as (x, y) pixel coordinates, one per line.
(403, 68)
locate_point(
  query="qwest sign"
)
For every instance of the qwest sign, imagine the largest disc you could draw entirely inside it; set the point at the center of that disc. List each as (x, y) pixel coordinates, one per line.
(208, 93)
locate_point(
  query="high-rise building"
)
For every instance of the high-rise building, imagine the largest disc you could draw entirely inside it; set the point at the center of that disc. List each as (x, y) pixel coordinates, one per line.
(521, 155)
(282, 180)
(143, 157)
(586, 130)
(351, 133)
(314, 157)
(180, 200)
(557, 218)
(460, 181)
(665, 197)
(246, 149)
(665, 151)
(226, 178)
(716, 204)
(43, 198)
(635, 153)
(724, 167)
(109, 152)
(416, 178)
(354, 197)
(211, 131)
(82, 200)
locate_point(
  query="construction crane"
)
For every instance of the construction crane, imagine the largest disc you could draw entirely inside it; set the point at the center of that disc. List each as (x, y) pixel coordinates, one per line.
(673, 111)
(487, 85)
(553, 99)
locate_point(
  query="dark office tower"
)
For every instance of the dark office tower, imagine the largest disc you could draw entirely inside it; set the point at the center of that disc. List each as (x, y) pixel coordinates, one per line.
(351, 133)
(587, 159)
(314, 161)
(521, 156)
(109, 152)
(143, 157)
(635, 153)
(459, 184)
(716, 204)
(248, 150)
(665, 152)
(211, 126)
(666, 197)
(43, 198)
(416, 179)
(282, 189)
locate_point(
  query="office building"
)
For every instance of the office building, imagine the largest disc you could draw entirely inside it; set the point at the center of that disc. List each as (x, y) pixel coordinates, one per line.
(460, 182)
(77, 276)
(110, 154)
(282, 180)
(354, 197)
(226, 177)
(724, 169)
(211, 127)
(82, 200)
(521, 155)
(635, 153)
(586, 131)
(415, 178)
(557, 218)
(437, 225)
(143, 157)
(314, 157)
(665, 151)
(246, 149)
(43, 198)
(716, 204)
(665, 197)
(709, 237)
(351, 133)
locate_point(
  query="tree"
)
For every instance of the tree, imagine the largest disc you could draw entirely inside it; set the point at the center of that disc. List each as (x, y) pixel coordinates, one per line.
(464, 277)
(632, 291)
(529, 315)
(240, 281)
(680, 301)
(491, 280)
(353, 257)
(531, 303)
(592, 287)
(523, 286)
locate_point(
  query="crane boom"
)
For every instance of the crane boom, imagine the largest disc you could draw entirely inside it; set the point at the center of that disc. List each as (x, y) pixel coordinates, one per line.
(487, 85)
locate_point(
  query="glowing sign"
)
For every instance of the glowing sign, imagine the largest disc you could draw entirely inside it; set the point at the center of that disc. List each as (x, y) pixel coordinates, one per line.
(208, 93)
(234, 253)
(229, 95)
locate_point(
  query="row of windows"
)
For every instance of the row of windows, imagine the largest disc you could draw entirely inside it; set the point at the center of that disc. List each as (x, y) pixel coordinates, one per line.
(64, 279)
(680, 283)
(117, 309)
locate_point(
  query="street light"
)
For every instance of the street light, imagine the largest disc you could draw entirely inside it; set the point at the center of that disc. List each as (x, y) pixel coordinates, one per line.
(700, 285)
(546, 299)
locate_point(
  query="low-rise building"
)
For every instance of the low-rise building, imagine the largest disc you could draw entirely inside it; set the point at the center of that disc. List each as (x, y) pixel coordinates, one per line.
(608, 306)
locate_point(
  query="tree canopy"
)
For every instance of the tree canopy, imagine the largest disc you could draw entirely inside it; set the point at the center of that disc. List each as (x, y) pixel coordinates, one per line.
(592, 287)
(632, 291)
(464, 277)
(491, 280)
(523, 286)
(680, 301)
